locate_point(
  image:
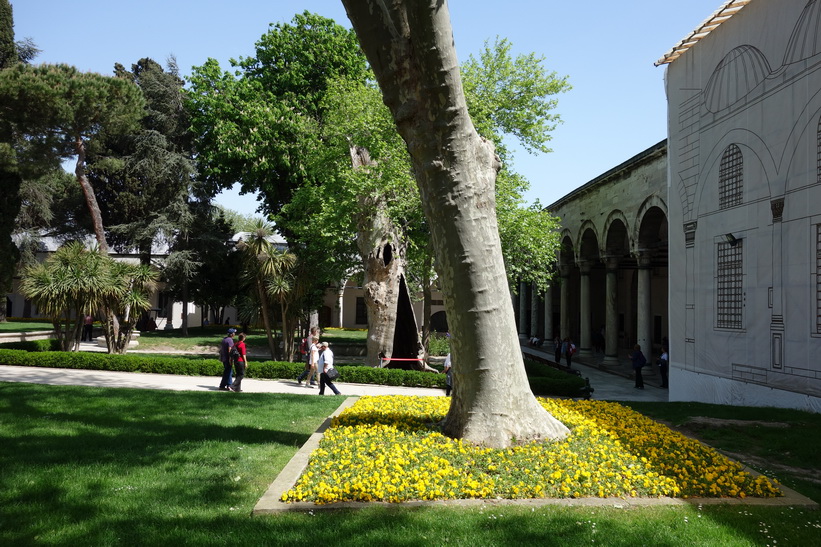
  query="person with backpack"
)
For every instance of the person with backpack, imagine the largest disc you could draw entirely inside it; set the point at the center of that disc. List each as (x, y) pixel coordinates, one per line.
(225, 356)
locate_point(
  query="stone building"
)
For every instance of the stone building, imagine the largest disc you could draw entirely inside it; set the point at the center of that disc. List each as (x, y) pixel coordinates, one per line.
(610, 290)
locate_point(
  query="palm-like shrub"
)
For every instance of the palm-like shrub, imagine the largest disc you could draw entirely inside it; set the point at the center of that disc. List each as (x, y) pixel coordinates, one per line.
(76, 281)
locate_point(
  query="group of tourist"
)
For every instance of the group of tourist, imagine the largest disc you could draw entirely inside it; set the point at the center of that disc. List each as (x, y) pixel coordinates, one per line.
(234, 357)
(319, 363)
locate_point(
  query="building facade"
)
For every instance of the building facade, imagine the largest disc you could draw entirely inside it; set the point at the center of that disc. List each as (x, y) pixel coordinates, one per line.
(744, 118)
(610, 290)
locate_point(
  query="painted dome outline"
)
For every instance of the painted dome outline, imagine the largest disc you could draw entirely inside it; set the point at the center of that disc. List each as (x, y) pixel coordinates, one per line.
(805, 41)
(739, 72)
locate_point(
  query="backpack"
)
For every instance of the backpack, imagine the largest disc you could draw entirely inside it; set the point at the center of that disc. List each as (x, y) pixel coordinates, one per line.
(572, 349)
(234, 353)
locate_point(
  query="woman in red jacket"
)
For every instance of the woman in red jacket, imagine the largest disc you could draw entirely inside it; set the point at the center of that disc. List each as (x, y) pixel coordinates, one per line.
(240, 364)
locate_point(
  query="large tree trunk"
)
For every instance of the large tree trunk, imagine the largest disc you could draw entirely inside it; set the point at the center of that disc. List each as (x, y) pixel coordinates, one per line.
(409, 44)
(382, 249)
(383, 260)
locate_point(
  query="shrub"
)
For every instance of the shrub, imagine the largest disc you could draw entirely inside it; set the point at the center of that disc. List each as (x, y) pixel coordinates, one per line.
(33, 345)
(438, 344)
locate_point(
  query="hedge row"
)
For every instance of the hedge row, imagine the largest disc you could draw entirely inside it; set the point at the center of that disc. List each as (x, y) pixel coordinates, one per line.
(204, 367)
(543, 379)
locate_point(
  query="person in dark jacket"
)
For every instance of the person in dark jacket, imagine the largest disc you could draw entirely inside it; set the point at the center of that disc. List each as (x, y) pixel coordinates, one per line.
(638, 360)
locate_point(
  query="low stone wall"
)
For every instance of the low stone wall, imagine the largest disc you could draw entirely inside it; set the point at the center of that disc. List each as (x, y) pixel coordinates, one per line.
(26, 336)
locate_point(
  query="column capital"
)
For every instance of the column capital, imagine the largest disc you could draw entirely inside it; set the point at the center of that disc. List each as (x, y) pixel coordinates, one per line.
(585, 266)
(611, 263)
(644, 259)
(777, 209)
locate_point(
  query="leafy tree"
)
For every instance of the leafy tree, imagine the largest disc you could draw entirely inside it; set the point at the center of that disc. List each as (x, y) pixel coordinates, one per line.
(143, 178)
(202, 266)
(410, 47)
(63, 109)
(58, 112)
(265, 267)
(256, 129)
(10, 177)
(8, 49)
(512, 96)
(261, 127)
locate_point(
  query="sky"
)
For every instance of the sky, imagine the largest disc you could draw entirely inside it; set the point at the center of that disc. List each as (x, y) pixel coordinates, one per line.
(616, 108)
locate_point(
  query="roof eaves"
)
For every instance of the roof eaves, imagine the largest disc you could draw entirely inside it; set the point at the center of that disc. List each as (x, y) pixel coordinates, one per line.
(722, 14)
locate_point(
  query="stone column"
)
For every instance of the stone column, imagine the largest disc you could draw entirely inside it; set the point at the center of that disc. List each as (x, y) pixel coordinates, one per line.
(340, 293)
(523, 330)
(584, 311)
(548, 313)
(534, 310)
(564, 319)
(611, 326)
(644, 323)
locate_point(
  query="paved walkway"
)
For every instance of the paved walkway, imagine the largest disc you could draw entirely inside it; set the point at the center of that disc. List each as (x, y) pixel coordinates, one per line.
(611, 385)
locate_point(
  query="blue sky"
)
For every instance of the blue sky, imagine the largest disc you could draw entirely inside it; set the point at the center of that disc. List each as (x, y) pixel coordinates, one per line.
(616, 109)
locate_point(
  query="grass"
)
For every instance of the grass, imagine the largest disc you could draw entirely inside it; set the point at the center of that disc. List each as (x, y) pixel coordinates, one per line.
(25, 326)
(94, 466)
(206, 340)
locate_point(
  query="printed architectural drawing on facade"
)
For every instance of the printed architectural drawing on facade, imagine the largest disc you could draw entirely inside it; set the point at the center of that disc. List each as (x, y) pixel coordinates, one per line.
(745, 209)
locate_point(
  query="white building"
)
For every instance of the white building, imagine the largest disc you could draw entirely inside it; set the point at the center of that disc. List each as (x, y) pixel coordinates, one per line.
(744, 199)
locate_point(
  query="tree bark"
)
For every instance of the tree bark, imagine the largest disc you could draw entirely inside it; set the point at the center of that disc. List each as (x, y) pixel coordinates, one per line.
(382, 249)
(383, 262)
(409, 44)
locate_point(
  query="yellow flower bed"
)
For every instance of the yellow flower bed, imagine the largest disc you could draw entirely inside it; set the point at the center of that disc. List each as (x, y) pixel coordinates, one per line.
(388, 449)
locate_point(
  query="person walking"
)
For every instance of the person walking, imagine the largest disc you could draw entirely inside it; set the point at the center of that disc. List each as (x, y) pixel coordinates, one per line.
(88, 326)
(326, 364)
(664, 366)
(557, 349)
(240, 363)
(225, 357)
(638, 359)
(568, 348)
(310, 374)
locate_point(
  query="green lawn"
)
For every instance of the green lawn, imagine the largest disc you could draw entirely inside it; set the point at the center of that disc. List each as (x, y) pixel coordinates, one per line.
(24, 326)
(206, 340)
(95, 466)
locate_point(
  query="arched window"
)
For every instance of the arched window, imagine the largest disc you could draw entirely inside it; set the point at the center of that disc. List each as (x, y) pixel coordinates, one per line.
(730, 178)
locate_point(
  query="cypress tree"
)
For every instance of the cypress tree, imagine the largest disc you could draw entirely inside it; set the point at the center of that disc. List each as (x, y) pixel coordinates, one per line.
(10, 179)
(8, 51)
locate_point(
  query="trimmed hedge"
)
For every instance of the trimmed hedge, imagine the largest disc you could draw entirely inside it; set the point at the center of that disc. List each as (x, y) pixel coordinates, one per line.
(543, 379)
(50, 344)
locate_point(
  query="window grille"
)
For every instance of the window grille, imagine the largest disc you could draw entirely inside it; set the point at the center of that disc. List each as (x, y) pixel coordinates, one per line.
(730, 177)
(730, 296)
